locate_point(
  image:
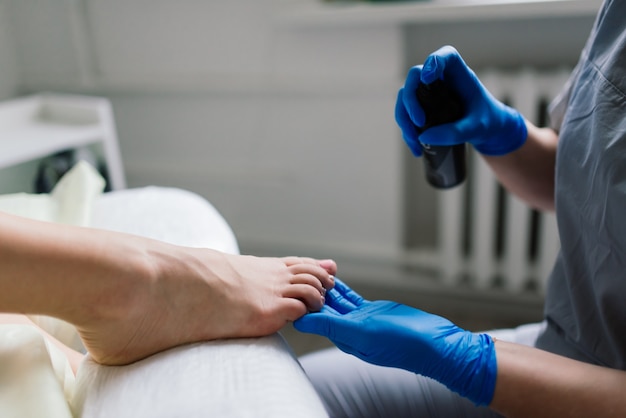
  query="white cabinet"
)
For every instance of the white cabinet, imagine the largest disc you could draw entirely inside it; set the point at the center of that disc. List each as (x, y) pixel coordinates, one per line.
(36, 126)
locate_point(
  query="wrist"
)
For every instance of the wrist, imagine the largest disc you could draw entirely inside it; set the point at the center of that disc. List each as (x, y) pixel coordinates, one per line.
(475, 369)
(513, 136)
(483, 383)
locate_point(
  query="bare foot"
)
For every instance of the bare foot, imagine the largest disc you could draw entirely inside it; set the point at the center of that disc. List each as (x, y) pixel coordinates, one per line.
(197, 294)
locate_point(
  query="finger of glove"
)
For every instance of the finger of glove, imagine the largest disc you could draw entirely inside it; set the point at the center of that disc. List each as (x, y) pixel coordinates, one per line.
(349, 294)
(477, 127)
(447, 64)
(448, 134)
(320, 323)
(435, 65)
(409, 97)
(338, 302)
(410, 132)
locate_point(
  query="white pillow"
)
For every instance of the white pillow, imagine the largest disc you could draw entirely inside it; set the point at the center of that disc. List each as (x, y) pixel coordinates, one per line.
(247, 378)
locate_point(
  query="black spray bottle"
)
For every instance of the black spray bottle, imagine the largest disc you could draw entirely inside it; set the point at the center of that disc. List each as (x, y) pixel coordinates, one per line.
(445, 165)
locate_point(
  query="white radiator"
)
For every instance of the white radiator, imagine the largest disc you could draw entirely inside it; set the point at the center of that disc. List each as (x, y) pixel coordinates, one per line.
(487, 237)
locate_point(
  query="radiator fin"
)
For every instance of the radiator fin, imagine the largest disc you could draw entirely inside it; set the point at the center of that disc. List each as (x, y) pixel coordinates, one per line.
(488, 237)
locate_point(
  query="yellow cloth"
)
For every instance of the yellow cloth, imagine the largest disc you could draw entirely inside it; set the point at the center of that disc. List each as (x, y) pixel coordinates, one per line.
(35, 376)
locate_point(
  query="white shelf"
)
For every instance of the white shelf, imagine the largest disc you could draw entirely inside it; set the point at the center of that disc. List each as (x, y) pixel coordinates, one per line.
(21, 144)
(36, 126)
(435, 11)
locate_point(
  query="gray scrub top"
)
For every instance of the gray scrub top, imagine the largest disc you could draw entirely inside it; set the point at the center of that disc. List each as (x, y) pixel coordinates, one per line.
(586, 296)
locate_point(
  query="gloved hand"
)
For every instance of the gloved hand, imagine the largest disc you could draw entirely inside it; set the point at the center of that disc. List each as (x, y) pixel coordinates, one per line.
(394, 335)
(490, 126)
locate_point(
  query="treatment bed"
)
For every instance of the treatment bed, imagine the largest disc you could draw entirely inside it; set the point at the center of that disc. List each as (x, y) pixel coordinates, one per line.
(256, 377)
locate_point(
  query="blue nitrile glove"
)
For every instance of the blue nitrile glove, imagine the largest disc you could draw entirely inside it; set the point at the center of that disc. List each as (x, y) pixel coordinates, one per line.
(395, 335)
(490, 126)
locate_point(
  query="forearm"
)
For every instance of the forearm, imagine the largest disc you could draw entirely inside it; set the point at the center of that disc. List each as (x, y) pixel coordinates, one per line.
(529, 171)
(535, 383)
